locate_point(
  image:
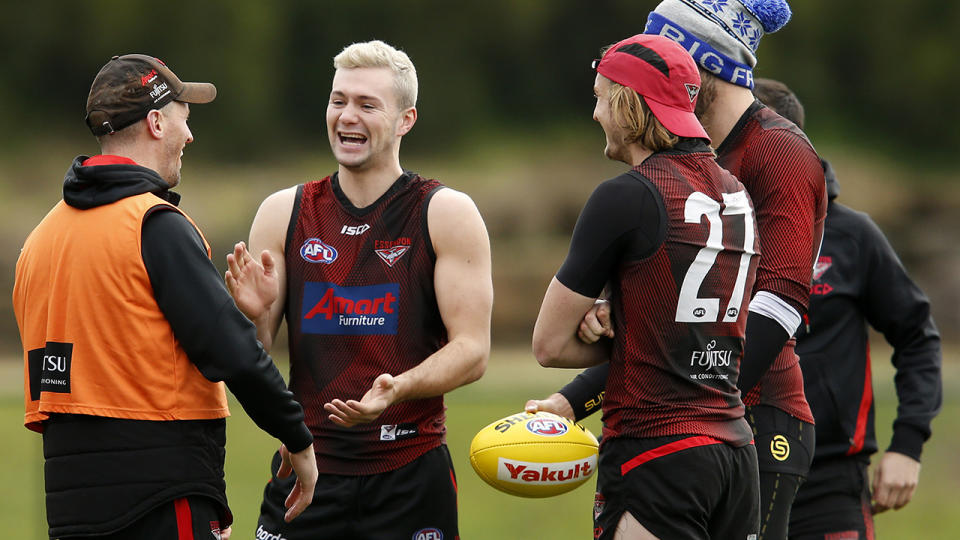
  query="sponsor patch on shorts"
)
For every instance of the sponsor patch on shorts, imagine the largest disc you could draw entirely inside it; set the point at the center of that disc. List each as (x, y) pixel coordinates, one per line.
(398, 432)
(430, 533)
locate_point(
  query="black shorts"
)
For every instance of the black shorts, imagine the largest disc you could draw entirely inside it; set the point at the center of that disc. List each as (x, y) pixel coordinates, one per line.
(417, 501)
(188, 518)
(678, 487)
(834, 502)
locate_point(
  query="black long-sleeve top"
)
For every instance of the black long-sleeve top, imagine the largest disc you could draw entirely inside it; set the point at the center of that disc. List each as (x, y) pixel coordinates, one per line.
(859, 280)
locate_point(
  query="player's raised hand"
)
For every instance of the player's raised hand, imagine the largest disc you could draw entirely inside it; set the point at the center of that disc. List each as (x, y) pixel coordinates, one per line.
(350, 413)
(597, 323)
(254, 285)
(555, 403)
(304, 464)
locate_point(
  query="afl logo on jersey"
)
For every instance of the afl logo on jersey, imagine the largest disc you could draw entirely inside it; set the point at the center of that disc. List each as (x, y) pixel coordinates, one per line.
(315, 251)
(546, 427)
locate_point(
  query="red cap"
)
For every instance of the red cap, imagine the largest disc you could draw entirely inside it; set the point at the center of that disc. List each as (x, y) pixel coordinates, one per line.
(664, 73)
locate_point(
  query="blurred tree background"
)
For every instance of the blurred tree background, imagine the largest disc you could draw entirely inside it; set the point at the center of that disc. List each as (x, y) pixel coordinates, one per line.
(504, 115)
(505, 105)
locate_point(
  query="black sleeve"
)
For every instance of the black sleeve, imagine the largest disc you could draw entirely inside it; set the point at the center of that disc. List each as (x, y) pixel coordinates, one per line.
(585, 392)
(624, 219)
(763, 342)
(216, 336)
(896, 307)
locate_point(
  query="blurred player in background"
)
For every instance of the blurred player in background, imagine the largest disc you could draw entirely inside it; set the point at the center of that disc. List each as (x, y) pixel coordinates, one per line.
(858, 280)
(782, 172)
(127, 330)
(384, 279)
(675, 238)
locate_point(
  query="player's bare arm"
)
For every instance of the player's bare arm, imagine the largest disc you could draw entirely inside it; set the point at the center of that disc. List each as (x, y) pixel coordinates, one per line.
(555, 335)
(257, 277)
(464, 288)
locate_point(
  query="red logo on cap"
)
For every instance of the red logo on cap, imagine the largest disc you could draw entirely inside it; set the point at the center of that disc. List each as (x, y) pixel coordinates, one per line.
(146, 79)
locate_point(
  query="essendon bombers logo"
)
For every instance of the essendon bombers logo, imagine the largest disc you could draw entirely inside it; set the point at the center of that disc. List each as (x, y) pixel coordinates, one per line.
(391, 251)
(822, 265)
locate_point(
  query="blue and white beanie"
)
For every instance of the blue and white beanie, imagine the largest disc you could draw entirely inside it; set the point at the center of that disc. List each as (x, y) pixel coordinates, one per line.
(721, 35)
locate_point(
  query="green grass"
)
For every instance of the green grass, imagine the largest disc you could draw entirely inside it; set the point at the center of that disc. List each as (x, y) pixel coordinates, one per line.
(511, 379)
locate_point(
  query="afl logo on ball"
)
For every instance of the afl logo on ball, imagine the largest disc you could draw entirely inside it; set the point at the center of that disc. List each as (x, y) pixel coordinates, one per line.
(315, 251)
(546, 427)
(779, 448)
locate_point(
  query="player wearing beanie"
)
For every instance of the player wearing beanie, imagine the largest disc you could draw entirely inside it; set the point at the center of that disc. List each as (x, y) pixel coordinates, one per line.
(782, 172)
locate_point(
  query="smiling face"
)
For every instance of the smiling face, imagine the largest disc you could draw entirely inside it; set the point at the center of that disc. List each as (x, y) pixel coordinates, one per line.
(602, 114)
(179, 136)
(364, 120)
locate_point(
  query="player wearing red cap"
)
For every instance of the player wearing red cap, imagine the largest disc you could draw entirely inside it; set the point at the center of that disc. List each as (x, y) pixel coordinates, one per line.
(675, 239)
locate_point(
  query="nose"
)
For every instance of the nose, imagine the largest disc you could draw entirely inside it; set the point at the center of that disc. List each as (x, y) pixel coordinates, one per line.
(189, 136)
(349, 114)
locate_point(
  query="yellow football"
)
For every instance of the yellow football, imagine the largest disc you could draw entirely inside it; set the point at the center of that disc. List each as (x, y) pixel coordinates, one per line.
(534, 455)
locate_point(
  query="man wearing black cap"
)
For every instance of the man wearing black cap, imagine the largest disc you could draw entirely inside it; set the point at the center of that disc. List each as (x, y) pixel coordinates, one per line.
(675, 237)
(782, 172)
(129, 333)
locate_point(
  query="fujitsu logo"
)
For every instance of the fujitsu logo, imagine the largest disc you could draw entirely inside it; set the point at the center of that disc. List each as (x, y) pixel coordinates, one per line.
(712, 357)
(158, 90)
(533, 473)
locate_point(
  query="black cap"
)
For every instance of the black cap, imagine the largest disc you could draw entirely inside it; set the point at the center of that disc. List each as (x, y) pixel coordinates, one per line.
(130, 86)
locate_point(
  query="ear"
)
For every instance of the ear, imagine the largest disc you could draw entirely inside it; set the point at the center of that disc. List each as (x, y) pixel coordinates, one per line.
(407, 119)
(155, 122)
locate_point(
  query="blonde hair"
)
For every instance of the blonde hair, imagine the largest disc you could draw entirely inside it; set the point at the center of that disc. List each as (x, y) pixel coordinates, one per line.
(631, 113)
(377, 54)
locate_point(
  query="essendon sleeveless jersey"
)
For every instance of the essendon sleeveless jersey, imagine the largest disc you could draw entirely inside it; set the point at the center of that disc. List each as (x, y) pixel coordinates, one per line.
(95, 342)
(776, 163)
(361, 302)
(680, 314)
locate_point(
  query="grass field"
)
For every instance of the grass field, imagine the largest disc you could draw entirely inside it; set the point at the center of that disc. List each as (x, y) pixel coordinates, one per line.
(512, 378)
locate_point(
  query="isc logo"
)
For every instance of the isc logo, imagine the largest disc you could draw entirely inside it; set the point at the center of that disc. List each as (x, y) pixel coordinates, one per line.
(354, 230)
(315, 251)
(428, 534)
(546, 427)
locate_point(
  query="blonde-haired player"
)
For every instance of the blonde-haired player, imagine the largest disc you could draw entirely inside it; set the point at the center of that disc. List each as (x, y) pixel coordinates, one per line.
(384, 279)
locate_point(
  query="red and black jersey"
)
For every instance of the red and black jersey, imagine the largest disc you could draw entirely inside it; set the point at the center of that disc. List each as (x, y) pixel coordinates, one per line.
(680, 309)
(361, 302)
(779, 167)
